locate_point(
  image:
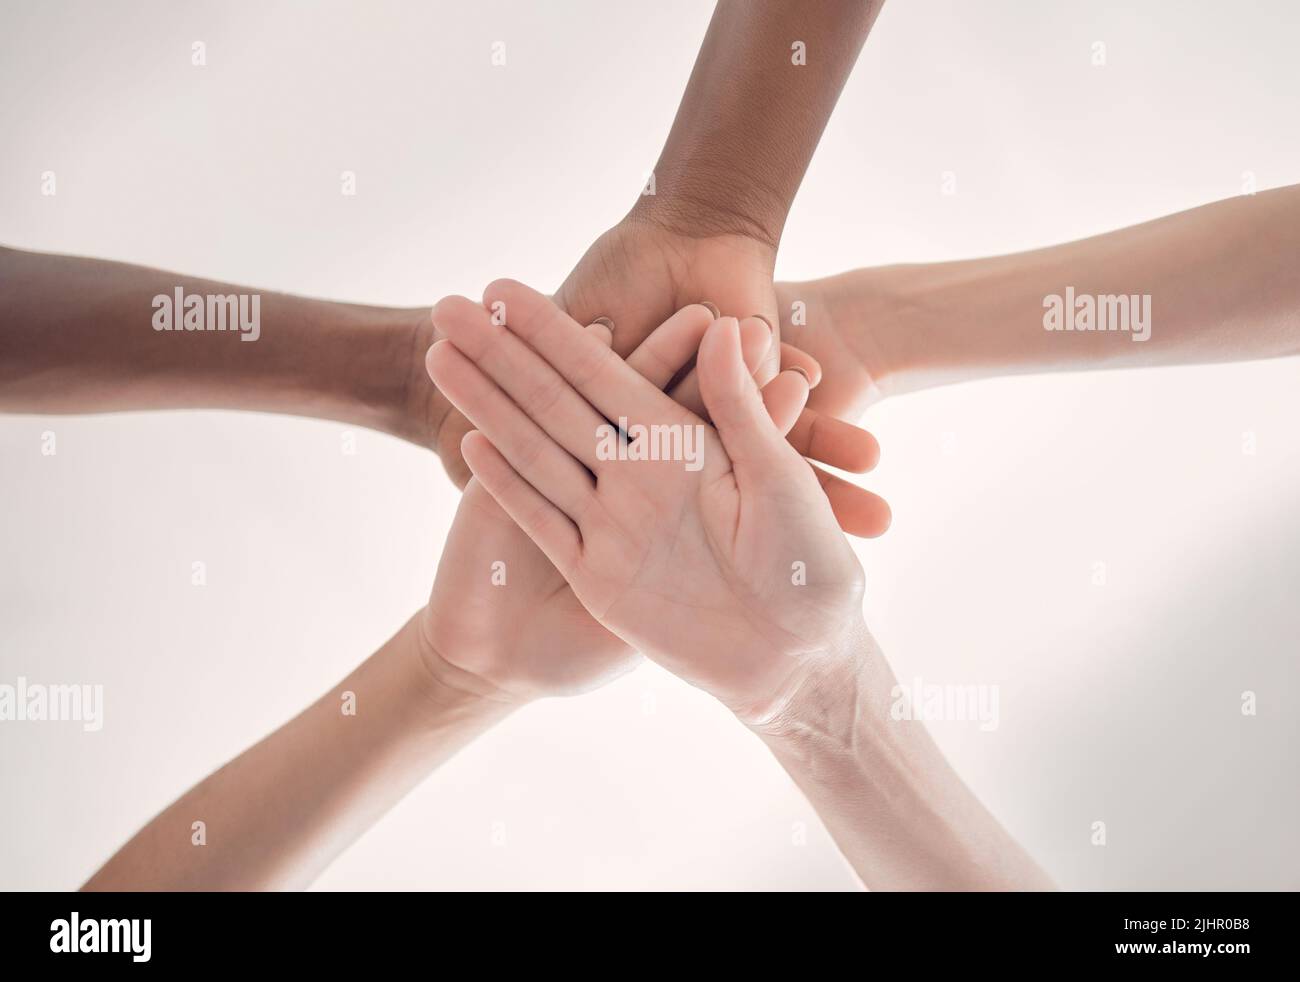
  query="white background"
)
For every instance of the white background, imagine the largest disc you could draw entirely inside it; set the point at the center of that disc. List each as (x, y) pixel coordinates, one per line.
(1118, 703)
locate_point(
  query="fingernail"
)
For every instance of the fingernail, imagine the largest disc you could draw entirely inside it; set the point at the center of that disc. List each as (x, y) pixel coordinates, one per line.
(802, 371)
(713, 308)
(606, 321)
(767, 322)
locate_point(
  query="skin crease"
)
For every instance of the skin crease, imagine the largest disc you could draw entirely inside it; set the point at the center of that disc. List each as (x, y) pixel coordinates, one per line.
(694, 568)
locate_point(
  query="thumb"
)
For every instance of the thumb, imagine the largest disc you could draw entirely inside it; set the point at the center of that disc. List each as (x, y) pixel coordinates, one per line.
(733, 401)
(602, 329)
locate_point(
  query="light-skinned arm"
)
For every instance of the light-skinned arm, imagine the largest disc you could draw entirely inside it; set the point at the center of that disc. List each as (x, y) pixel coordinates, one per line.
(1223, 281)
(278, 814)
(893, 804)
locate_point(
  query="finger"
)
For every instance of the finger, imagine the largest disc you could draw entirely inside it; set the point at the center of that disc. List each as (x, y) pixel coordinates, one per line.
(734, 403)
(792, 357)
(603, 331)
(755, 343)
(834, 442)
(597, 373)
(541, 461)
(785, 396)
(770, 366)
(450, 433)
(858, 511)
(671, 346)
(540, 520)
(534, 386)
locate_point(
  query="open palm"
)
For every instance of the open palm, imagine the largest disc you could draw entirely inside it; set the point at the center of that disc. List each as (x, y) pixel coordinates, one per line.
(732, 574)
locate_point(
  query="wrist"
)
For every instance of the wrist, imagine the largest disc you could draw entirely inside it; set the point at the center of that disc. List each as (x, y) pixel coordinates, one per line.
(421, 696)
(902, 816)
(692, 203)
(875, 314)
(921, 325)
(441, 677)
(364, 366)
(402, 718)
(406, 403)
(413, 410)
(825, 694)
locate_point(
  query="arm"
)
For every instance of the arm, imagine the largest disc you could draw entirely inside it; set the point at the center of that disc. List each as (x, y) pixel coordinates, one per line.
(77, 335)
(277, 815)
(897, 810)
(1223, 282)
(744, 133)
(752, 115)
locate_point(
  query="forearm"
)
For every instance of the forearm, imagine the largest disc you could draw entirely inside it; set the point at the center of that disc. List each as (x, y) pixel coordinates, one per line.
(897, 810)
(275, 816)
(79, 335)
(753, 112)
(1223, 283)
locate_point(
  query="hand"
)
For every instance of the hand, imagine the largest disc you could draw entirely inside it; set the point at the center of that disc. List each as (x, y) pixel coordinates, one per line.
(637, 274)
(734, 576)
(640, 271)
(501, 621)
(501, 613)
(859, 325)
(846, 388)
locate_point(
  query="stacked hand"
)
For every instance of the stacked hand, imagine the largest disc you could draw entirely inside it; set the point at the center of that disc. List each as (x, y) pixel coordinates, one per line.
(710, 554)
(711, 547)
(697, 567)
(634, 277)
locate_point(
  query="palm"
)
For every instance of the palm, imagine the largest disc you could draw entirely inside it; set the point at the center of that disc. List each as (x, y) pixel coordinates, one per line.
(710, 584)
(501, 611)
